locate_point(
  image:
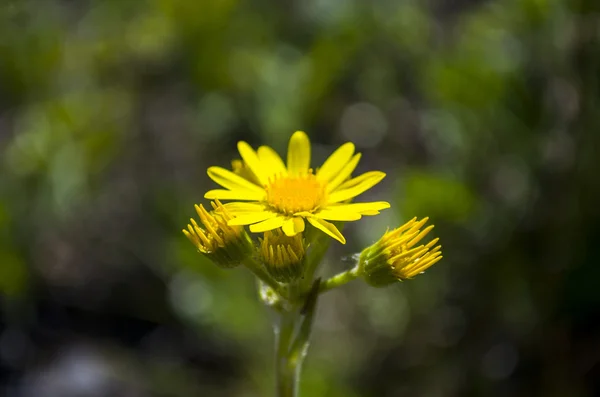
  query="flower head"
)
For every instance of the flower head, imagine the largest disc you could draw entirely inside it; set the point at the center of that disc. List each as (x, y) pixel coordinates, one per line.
(283, 256)
(396, 255)
(225, 245)
(269, 194)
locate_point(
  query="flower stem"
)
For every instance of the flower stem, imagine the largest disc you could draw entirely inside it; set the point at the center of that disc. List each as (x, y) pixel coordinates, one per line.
(315, 256)
(291, 349)
(340, 279)
(285, 371)
(258, 271)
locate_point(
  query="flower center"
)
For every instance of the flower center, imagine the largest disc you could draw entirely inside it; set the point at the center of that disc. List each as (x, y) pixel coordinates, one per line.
(292, 194)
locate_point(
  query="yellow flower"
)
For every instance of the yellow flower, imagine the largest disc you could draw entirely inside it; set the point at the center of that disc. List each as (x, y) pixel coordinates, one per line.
(268, 194)
(225, 245)
(396, 257)
(240, 168)
(283, 256)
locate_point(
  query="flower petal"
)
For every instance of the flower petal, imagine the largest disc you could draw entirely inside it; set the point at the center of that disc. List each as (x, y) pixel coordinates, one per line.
(222, 194)
(371, 208)
(251, 217)
(267, 225)
(253, 162)
(231, 181)
(298, 157)
(365, 182)
(334, 164)
(333, 215)
(240, 168)
(344, 174)
(271, 161)
(327, 228)
(237, 207)
(293, 226)
(357, 180)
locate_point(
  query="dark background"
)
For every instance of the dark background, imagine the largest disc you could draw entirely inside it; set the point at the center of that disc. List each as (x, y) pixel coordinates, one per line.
(483, 114)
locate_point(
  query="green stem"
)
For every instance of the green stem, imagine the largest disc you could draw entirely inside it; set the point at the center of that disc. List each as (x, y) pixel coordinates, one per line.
(320, 243)
(340, 279)
(258, 271)
(299, 347)
(285, 369)
(291, 350)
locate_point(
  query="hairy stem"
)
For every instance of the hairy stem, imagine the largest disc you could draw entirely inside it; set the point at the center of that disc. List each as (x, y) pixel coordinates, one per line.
(340, 279)
(291, 349)
(285, 368)
(263, 276)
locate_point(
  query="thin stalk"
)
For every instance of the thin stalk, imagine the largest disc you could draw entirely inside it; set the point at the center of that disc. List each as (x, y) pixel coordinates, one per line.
(291, 349)
(285, 369)
(319, 245)
(300, 345)
(258, 271)
(340, 279)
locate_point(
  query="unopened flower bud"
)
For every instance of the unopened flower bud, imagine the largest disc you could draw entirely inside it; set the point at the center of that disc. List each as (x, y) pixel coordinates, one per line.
(227, 246)
(396, 255)
(283, 256)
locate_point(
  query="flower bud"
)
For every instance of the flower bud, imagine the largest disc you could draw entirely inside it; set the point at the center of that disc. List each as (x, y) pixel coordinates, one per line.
(227, 246)
(396, 257)
(283, 256)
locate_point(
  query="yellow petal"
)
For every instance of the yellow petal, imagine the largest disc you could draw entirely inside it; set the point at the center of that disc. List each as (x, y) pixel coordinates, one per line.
(271, 161)
(298, 157)
(344, 173)
(222, 194)
(293, 226)
(231, 181)
(239, 207)
(359, 179)
(419, 237)
(253, 162)
(365, 182)
(333, 215)
(423, 265)
(327, 228)
(267, 225)
(334, 164)
(251, 217)
(371, 208)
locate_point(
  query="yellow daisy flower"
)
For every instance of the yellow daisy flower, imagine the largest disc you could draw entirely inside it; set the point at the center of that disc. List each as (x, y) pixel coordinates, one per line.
(280, 196)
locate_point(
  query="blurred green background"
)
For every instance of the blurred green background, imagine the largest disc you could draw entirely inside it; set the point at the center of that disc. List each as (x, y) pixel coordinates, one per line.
(484, 114)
